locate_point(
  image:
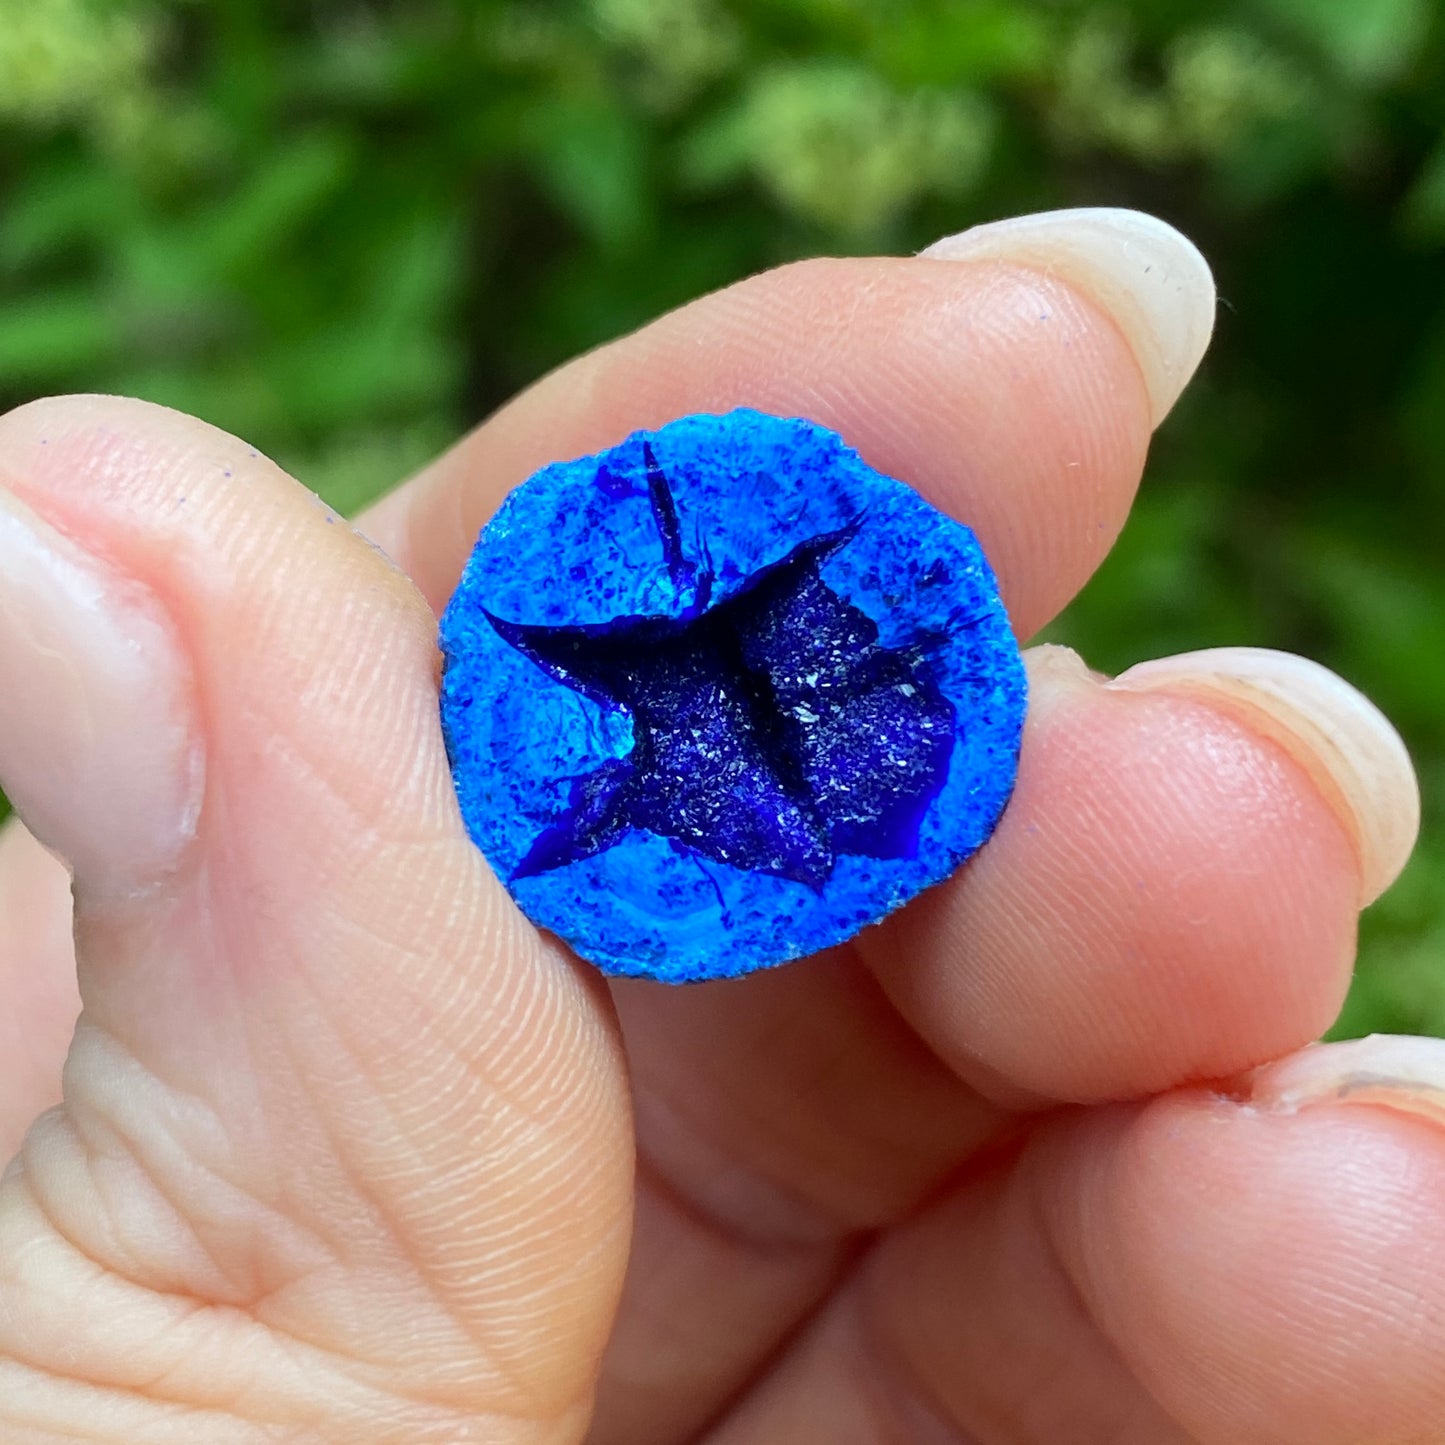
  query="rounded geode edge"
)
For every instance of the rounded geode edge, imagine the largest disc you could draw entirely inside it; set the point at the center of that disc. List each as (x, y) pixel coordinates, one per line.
(579, 545)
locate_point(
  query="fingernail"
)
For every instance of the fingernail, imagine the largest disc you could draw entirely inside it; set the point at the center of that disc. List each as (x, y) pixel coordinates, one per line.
(1341, 739)
(1055, 669)
(1393, 1071)
(1148, 277)
(99, 750)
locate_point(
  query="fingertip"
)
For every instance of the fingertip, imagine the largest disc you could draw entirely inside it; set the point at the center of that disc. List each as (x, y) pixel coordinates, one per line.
(273, 600)
(1297, 1255)
(1167, 897)
(100, 743)
(1147, 277)
(1344, 743)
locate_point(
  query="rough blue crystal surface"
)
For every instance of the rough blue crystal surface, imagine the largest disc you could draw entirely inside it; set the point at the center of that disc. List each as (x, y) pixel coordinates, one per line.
(723, 695)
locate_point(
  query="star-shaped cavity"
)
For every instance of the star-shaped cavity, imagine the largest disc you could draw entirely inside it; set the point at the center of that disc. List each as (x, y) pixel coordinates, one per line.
(771, 731)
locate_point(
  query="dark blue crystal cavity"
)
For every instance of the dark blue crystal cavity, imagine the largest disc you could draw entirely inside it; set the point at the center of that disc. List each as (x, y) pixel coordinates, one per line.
(722, 695)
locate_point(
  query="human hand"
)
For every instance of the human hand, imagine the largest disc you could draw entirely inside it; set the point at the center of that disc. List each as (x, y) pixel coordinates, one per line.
(346, 1147)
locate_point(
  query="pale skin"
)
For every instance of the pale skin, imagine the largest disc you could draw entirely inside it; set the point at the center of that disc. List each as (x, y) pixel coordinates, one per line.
(347, 1151)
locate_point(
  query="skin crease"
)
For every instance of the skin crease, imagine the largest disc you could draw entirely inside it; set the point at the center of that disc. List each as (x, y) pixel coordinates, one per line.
(346, 1149)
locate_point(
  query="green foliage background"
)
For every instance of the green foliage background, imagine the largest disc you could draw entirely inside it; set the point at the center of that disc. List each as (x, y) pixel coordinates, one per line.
(345, 230)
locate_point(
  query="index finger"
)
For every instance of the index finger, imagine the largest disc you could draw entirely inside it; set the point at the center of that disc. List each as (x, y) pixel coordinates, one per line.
(1013, 377)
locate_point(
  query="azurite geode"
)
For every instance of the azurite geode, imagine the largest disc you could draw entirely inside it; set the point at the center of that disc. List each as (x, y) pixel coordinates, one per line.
(722, 695)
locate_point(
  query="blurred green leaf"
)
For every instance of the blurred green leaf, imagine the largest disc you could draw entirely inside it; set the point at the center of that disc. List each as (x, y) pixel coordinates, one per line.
(681, 44)
(972, 43)
(1366, 40)
(64, 59)
(1423, 209)
(44, 340)
(839, 146)
(57, 210)
(272, 205)
(591, 156)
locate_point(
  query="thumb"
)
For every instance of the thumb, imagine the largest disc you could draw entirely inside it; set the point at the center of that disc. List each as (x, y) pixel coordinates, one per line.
(331, 1102)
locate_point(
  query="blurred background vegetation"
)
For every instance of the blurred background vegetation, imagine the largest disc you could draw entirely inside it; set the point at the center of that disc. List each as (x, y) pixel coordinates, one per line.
(347, 228)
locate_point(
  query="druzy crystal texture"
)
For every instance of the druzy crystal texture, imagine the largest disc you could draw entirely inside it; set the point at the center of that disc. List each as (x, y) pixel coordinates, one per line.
(723, 695)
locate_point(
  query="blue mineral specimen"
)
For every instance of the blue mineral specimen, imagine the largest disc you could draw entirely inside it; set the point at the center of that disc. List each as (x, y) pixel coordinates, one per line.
(723, 695)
